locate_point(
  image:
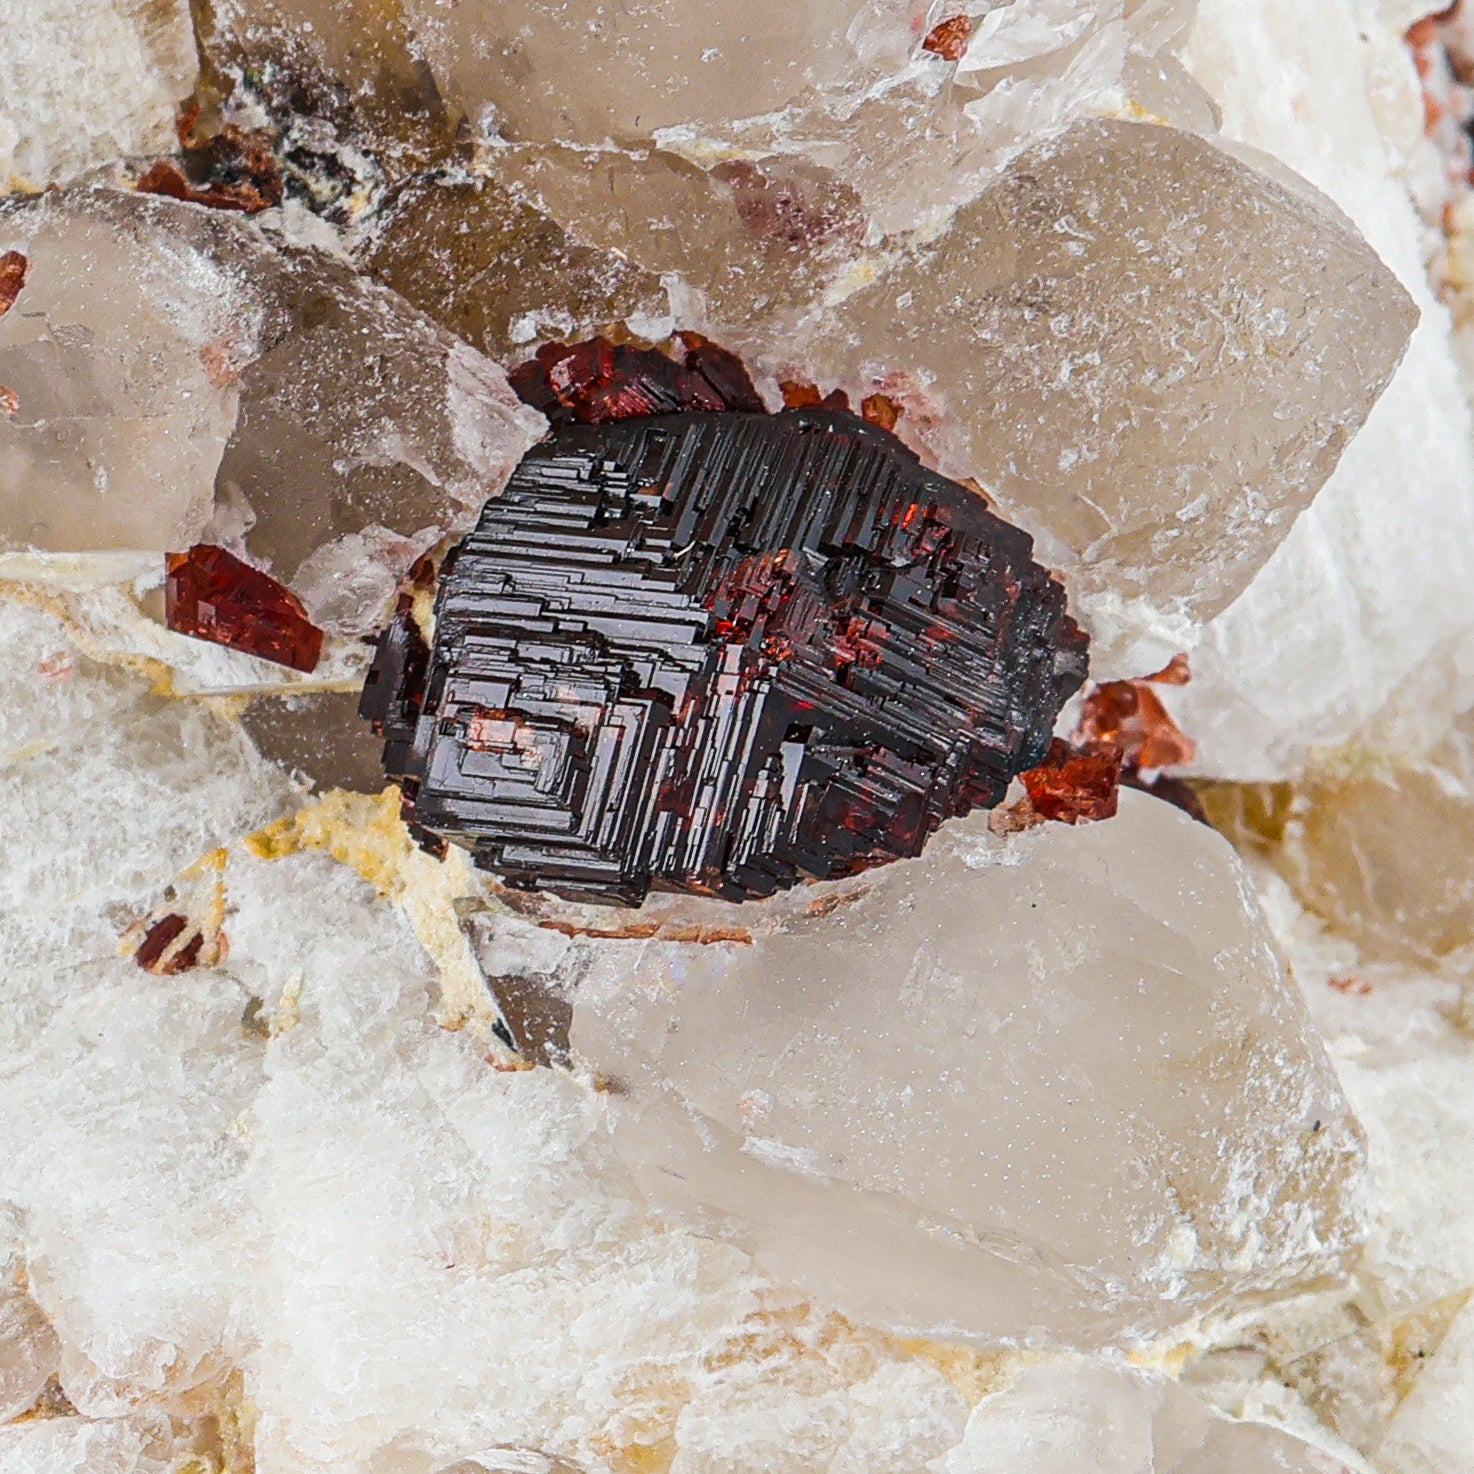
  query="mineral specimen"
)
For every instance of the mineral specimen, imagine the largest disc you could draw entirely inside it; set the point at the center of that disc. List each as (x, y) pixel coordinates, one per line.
(182, 379)
(1053, 1090)
(721, 652)
(1071, 330)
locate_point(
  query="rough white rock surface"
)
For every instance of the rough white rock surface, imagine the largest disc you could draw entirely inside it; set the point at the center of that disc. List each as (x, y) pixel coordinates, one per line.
(84, 82)
(1365, 597)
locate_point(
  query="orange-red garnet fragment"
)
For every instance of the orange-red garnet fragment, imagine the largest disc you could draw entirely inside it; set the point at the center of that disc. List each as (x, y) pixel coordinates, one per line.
(212, 595)
(948, 39)
(14, 267)
(1075, 785)
(1130, 715)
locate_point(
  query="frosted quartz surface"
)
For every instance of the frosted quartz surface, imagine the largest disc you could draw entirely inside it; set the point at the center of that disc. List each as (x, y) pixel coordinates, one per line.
(1108, 1420)
(1376, 604)
(119, 423)
(83, 82)
(180, 378)
(902, 1110)
(1182, 400)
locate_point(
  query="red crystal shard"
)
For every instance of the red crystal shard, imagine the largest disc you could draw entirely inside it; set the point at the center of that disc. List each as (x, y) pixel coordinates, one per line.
(212, 595)
(597, 382)
(1129, 715)
(1075, 785)
(948, 39)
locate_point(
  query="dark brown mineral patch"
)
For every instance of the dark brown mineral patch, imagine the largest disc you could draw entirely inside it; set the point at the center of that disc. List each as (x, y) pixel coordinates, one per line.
(14, 268)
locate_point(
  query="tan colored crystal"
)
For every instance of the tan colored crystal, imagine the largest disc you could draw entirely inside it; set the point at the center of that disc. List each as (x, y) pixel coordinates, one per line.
(1050, 1090)
(1150, 351)
(748, 243)
(1381, 849)
(496, 271)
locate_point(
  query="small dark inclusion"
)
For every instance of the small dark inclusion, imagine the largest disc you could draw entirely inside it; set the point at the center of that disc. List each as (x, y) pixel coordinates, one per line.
(720, 652)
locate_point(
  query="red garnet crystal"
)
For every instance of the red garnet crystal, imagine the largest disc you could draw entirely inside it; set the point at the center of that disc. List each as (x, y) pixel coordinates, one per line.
(717, 651)
(1075, 785)
(213, 595)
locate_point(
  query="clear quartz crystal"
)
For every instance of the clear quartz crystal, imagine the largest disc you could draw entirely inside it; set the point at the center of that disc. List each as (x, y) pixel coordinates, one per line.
(1148, 349)
(119, 421)
(192, 380)
(1051, 1090)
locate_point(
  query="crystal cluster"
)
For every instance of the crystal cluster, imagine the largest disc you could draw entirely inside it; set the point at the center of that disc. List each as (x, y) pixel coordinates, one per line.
(663, 1065)
(181, 379)
(722, 651)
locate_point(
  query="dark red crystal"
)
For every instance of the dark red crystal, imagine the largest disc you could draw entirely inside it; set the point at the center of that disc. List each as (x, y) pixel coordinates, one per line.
(212, 595)
(15, 266)
(719, 652)
(597, 382)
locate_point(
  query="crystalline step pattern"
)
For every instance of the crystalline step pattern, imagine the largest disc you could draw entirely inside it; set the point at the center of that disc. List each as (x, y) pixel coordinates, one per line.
(719, 652)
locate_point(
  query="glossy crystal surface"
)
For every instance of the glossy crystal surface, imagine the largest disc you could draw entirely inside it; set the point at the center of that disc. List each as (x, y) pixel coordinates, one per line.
(721, 651)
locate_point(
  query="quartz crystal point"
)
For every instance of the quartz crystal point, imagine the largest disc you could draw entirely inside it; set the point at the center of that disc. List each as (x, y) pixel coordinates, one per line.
(720, 651)
(494, 270)
(747, 244)
(180, 379)
(1054, 1090)
(1149, 350)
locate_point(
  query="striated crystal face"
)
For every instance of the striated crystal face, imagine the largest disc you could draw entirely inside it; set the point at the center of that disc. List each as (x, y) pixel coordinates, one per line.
(1054, 1090)
(721, 652)
(214, 596)
(1146, 348)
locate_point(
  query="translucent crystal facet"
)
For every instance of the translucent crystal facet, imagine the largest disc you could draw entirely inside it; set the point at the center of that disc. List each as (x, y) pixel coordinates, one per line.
(180, 379)
(1147, 348)
(1052, 1090)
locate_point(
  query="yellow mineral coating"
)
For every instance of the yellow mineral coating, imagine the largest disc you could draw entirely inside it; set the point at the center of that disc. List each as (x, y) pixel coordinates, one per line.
(365, 833)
